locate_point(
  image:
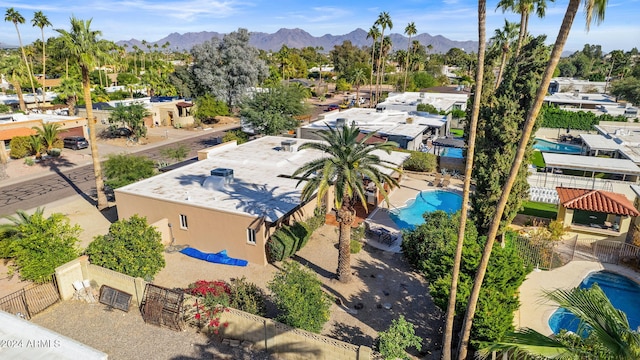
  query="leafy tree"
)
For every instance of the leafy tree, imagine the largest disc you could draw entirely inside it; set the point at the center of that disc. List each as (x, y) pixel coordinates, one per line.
(208, 107)
(132, 116)
(397, 338)
(125, 169)
(274, 110)
(177, 153)
(627, 89)
(183, 80)
(428, 108)
(238, 135)
(348, 160)
(81, 47)
(342, 85)
(423, 80)
(68, 91)
(345, 55)
(299, 297)
(124, 79)
(499, 125)
(131, 247)
(421, 161)
(606, 329)
(38, 245)
(14, 71)
(229, 67)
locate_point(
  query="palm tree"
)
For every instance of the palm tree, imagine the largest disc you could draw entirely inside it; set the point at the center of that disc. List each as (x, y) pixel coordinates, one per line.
(35, 141)
(409, 30)
(598, 319)
(68, 91)
(347, 162)
(48, 133)
(524, 8)
(82, 44)
(40, 20)
(599, 7)
(16, 18)
(386, 49)
(15, 71)
(374, 34)
(464, 211)
(384, 21)
(357, 78)
(503, 39)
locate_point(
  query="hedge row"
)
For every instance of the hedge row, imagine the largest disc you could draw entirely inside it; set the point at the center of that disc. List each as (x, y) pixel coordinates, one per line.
(556, 118)
(288, 240)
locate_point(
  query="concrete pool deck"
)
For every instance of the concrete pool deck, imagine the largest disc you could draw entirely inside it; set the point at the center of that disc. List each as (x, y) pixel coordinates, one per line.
(535, 310)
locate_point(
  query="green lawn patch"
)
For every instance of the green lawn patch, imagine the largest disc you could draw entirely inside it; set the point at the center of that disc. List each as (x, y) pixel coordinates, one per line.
(538, 209)
(537, 160)
(457, 132)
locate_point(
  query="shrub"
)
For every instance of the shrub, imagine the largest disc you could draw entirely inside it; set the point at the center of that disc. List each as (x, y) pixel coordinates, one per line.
(419, 161)
(213, 293)
(287, 240)
(124, 169)
(299, 297)
(54, 152)
(131, 247)
(318, 219)
(238, 135)
(177, 153)
(239, 294)
(393, 342)
(247, 297)
(20, 147)
(355, 246)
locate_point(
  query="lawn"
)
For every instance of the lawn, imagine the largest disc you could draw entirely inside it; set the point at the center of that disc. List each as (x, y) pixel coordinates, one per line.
(537, 160)
(539, 209)
(457, 132)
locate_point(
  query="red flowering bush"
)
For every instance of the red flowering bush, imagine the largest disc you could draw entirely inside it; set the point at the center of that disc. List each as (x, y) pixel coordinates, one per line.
(209, 317)
(213, 293)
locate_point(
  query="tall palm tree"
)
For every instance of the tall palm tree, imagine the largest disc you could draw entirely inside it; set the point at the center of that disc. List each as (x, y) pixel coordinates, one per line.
(591, 6)
(503, 38)
(464, 211)
(598, 319)
(16, 18)
(68, 91)
(48, 133)
(82, 44)
(346, 163)
(524, 8)
(384, 21)
(409, 30)
(357, 77)
(40, 20)
(385, 48)
(374, 34)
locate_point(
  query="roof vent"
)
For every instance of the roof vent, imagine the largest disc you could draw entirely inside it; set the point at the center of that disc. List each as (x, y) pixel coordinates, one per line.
(340, 122)
(226, 174)
(287, 145)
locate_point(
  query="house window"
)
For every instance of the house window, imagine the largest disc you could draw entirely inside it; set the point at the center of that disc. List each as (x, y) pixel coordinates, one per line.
(183, 222)
(251, 236)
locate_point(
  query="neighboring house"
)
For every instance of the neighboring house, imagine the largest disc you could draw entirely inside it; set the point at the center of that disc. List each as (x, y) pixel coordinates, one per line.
(596, 211)
(409, 101)
(12, 125)
(164, 111)
(409, 129)
(233, 199)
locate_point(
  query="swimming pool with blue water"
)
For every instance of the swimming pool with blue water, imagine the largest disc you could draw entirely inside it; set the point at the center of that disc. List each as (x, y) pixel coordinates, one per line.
(549, 146)
(410, 216)
(622, 291)
(452, 152)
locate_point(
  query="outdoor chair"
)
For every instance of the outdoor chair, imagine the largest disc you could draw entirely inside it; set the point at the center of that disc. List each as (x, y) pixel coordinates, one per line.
(436, 180)
(445, 181)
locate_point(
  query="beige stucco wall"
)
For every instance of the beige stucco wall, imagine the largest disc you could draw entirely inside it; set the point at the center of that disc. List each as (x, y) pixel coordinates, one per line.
(208, 230)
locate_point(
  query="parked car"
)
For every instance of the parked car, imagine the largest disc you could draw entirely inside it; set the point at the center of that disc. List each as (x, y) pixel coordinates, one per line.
(332, 107)
(75, 142)
(121, 132)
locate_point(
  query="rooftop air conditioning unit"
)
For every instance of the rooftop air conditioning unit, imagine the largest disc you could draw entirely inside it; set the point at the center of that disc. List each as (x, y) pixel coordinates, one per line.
(287, 145)
(340, 122)
(225, 173)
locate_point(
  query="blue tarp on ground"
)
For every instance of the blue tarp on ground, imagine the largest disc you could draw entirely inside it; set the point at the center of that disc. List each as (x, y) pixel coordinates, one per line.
(218, 258)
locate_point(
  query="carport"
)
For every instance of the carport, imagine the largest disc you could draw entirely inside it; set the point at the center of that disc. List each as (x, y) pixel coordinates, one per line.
(626, 169)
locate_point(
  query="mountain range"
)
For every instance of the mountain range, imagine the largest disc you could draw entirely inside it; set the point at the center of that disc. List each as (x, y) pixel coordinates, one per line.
(298, 38)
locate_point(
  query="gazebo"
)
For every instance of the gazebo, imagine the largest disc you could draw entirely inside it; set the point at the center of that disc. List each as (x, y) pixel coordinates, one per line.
(595, 211)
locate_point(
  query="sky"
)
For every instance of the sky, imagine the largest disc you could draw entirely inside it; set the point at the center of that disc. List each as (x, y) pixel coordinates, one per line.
(152, 20)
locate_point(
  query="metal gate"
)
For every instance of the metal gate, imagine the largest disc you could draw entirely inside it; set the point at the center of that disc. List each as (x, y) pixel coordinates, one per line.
(31, 300)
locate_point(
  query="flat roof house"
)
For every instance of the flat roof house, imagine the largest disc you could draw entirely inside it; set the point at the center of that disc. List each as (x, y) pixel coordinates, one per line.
(233, 199)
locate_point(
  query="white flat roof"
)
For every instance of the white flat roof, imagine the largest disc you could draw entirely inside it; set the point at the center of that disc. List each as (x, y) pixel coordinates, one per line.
(22, 339)
(260, 186)
(591, 163)
(46, 118)
(599, 142)
(390, 122)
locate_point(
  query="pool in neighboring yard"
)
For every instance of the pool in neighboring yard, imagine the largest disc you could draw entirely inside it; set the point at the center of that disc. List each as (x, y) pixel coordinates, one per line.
(452, 152)
(410, 216)
(553, 147)
(622, 291)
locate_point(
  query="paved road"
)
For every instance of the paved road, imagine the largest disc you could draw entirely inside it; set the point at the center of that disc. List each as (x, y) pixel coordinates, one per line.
(30, 194)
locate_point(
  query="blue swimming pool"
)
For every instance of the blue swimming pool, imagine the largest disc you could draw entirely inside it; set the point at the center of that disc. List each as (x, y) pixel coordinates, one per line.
(410, 216)
(452, 152)
(549, 146)
(622, 291)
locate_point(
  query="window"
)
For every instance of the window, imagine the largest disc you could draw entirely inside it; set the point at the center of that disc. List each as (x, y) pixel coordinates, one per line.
(183, 221)
(251, 236)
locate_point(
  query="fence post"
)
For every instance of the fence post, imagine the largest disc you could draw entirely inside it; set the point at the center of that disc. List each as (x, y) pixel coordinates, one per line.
(270, 336)
(364, 353)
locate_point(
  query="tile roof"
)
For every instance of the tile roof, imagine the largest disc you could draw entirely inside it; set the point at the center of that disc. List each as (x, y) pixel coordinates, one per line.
(596, 200)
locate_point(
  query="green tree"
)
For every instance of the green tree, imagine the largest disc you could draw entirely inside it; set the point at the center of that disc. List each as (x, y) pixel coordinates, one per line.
(38, 245)
(125, 169)
(11, 15)
(593, 7)
(384, 22)
(238, 135)
(346, 163)
(228, 67)
(409, 30)
(81, 44)
(68, 91)
(40, 20)
(208, 107)
(132, 116)
(14, 71)
(394, 341)
(48, 133)
(299, 297)
(131, 247)
(176, 153)
(35, 141)
(273, 110)
(606, 330)
(627, 89)
(357, 76)
(345, 55)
